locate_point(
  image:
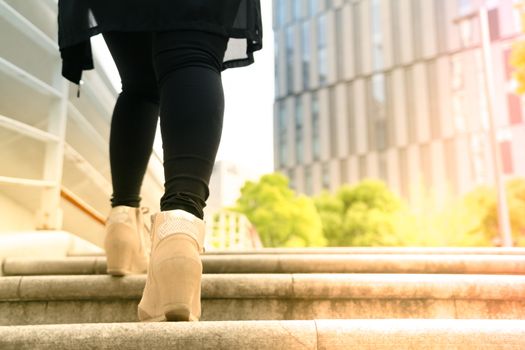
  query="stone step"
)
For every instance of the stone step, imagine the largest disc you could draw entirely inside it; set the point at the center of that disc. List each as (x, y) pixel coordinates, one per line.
(364, 250)
(91, 299)
(387, 334)
(294, 263)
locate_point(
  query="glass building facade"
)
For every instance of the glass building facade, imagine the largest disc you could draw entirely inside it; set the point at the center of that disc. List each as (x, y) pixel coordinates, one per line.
(393, 89)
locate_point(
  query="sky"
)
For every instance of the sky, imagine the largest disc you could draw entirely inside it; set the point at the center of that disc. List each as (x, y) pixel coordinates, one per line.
(247, 137)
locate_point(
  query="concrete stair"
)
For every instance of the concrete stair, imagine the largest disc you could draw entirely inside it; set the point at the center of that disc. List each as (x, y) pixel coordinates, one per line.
(296, 263)
(272, 335)
(386, 298)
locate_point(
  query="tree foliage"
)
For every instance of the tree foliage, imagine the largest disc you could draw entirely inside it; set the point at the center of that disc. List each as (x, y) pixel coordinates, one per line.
(282, 218)
(517, 57)
(482, 205)
(367, 214)
(517, 61)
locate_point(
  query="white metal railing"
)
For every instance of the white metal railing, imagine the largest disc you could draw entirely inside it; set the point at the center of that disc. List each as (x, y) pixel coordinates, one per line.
(95, 137)
(49, 127)
(26, 78)
(26, 182)
(11, 16)
(27, 130)
(90, 93)
(52, 4)
(49, 215)
(228, 230)
(91, 173)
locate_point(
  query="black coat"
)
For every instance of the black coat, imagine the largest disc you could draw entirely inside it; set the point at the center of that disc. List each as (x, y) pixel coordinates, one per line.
(78, 20)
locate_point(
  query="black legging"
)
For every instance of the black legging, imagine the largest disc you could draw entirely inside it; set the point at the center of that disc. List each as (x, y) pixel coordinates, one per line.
(178, 74)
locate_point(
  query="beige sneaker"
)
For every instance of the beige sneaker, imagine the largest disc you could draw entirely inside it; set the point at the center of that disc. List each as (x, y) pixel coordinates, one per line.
(126, 242)
(173, 286)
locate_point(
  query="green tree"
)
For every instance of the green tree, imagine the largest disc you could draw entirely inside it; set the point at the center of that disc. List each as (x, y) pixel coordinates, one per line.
(517, 57)
(282, 218)
(367, 214)
(482, 209)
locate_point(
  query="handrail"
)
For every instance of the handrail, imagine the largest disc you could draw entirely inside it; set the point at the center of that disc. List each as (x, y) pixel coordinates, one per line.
(64, 193)
(25, 26)
(26, 78)
(82, 205)
(78, 117)
(27, 130)
(26, 182)
(81, 163)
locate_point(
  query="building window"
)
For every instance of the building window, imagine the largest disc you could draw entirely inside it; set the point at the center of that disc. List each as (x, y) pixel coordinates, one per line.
(322, 49)
(491, 3)
(326, 176)
(451, 165)
(350, 115)
(297, 9)
(417, 31)
(343, 171)
(432, 86)
(426, 165)
(291, 176)
(516, 14)
(506, 157)
(305, 46)
(316, 144)
(464, 6)
(299, 149)
(357, 33)
(377, 35)
(410, 105)
(333, 117)
(340, 60)
(404, 173)
(314, 7)
(458, 92)
(478, 145)
(282, 135)
(515, 109)
(482, 101)
(441, 20)
(378, 112)
(395, 31)
(281, 12)
(390, 121)
(513, 101)
(383, 166)
(308, 181)
(289, 58)
(363, 168)
(508, 67)
(494, 24)
(277, 66)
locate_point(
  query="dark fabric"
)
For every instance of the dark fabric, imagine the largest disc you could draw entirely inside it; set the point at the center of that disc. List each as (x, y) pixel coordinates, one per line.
(179, 75)
(78, 20)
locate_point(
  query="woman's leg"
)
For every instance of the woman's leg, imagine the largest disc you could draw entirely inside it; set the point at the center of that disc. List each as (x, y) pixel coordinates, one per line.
(188, 68)
(135, 115)
(188, 65)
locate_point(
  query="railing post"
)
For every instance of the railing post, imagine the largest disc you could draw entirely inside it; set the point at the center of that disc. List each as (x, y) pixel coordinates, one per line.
(49, 215)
